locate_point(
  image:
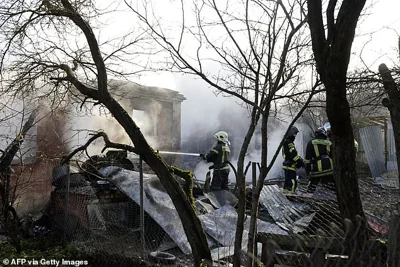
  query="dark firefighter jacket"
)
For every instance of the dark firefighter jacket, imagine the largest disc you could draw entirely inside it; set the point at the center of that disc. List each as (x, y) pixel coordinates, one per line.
(318, 158)
(219, 155)
(292, 160)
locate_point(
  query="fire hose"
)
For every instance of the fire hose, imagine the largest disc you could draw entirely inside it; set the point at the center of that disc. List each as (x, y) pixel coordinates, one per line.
(178, 153)
(198, 155)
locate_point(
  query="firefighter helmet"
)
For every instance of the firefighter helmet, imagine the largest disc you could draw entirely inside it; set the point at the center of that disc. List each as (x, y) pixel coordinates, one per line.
(221, 136)
(293, 131)
(321, 131)
(327, 126)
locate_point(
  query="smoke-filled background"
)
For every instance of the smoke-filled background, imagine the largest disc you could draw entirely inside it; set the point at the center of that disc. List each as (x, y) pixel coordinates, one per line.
(204, 114)
(83, 123)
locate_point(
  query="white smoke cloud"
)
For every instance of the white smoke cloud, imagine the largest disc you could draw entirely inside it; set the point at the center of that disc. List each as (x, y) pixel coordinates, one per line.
(82, 124)
(204, 113)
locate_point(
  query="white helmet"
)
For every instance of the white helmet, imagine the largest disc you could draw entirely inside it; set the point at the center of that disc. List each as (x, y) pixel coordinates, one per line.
(327, 126)
(222, 136)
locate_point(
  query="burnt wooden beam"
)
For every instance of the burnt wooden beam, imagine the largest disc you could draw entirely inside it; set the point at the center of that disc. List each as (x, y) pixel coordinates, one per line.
(108, 144)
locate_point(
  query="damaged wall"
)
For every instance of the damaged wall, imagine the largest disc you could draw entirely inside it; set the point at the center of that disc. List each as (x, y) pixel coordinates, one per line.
(157, 112)
(33, 177)
(57, 132)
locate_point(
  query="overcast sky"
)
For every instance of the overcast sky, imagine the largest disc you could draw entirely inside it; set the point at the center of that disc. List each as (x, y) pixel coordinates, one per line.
(376, 41)
(379, 30)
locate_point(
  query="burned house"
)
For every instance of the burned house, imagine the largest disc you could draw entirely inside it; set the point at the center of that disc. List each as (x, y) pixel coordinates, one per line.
(102, 211)
(157, 112)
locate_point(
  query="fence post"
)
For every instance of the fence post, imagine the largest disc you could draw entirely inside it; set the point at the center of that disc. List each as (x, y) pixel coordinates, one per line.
(252, 241)
(66, 208)
(394, 239)
(141, 205)
(268, 253)
(317, 257)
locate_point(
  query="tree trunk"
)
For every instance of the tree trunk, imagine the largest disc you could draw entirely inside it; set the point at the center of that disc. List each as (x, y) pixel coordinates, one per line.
(265, 168)
(242, 190)
(392, 103)
(11, 220)
(332, 44)
(257, 189)
(251, 245)
(183, 204)
(348, 195)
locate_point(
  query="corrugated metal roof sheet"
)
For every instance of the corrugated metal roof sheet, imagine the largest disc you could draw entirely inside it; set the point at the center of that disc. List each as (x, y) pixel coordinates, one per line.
(284, 212)
(391, 146)
(371, 138)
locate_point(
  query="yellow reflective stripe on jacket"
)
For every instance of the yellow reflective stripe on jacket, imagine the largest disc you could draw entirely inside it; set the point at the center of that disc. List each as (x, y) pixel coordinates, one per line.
(321, 142)
(322, 173)
(327, 144)
(291, 147)
(214, 150)
(289, 168)
(224, 150)
(317, 154)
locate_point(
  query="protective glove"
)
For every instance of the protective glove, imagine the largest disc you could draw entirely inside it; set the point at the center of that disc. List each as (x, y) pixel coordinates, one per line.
(308, 169)
(203, 156)
(299, 163)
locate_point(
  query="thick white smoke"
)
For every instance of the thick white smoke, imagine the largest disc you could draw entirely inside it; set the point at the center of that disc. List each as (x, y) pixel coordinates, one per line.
(82, 124)
(204, 113)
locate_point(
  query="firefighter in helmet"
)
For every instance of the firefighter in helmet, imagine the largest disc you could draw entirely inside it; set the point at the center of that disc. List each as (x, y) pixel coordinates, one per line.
(219, 155)
(292, 161)
(318, 160)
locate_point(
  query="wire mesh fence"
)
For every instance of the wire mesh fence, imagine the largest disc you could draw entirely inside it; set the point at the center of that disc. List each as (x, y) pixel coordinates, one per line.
(102, 216)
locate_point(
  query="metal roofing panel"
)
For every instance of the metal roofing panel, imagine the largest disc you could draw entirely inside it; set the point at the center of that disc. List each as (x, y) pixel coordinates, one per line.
(156, 202)
(391, 147)
(284, 213)
(372, 140)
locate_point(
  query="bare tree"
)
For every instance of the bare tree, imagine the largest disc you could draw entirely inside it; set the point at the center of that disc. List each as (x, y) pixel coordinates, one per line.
(10, 219)
(38, 44)
(332, 46)
(364, 93)
(262, 54)
(392, 103)
(390, 82)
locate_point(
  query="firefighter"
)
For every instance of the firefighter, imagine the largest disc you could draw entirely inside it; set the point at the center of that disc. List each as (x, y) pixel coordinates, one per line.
(318, 161)
(219, 155)
(292, 162)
